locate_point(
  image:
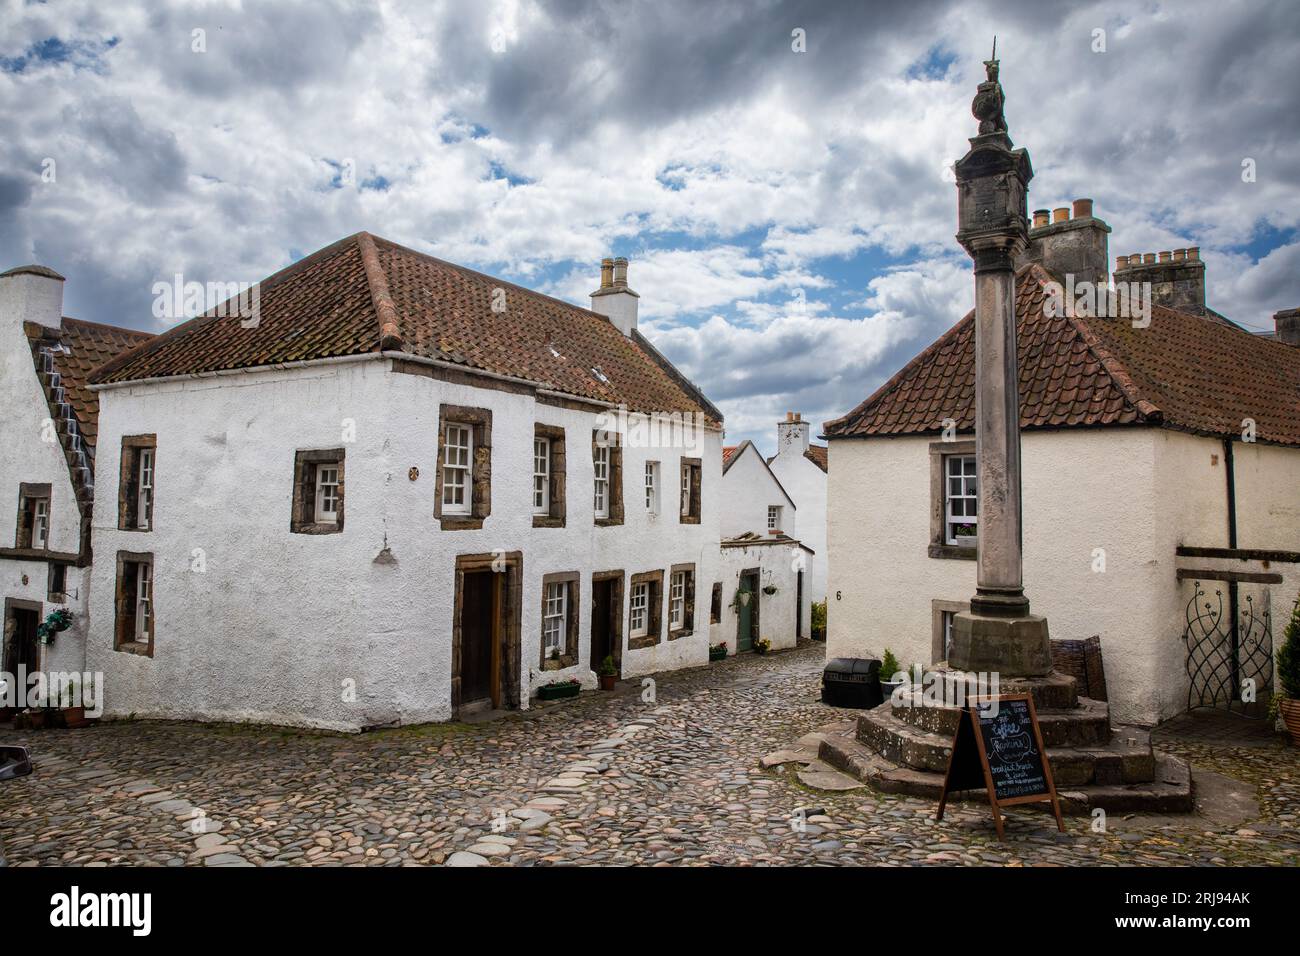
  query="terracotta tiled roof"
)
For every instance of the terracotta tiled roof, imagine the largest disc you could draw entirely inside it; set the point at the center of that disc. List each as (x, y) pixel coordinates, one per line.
(1183, 372)
(89, 345)
(817, 455)
(727, 452)
(365, 294)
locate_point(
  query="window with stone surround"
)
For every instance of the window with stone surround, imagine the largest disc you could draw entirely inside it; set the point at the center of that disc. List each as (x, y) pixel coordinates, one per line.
(681, 601)
(135, 489)
(652, 487)
(560, 606)
(645, 609)
(941, 617)
(689, 511)
(57, 583)
(318, 491)
(463, 488)
(134, 613)
(548, 476)
(607, 486)
(33, 532)
(954, 502)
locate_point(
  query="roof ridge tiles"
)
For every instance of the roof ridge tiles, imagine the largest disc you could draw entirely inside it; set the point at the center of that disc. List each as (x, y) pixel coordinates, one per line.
(390, 334)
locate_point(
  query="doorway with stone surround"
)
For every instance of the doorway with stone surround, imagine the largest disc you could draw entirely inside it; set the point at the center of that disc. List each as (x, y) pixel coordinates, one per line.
(486, 639)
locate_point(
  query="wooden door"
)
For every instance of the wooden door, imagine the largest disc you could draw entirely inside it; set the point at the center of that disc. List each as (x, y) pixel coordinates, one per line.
(602, 611)
(478, 600)
(746, 612)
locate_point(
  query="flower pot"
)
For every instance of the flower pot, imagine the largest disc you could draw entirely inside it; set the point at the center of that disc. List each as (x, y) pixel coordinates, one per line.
(558, 691)
(1291, 717)
(769, 590)
(607, 681)
(74, 717)
(887, 688)
(718, 655)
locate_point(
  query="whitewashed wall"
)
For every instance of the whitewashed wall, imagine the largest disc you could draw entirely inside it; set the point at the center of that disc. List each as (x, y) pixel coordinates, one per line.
(806, 484)
(776, 611)
(277, 622)
(29, 458)
(749, 488)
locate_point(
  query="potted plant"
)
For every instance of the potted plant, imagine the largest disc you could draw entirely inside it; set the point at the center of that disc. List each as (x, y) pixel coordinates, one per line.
(608, 673)
(1288, 675)
(717, 652)
(889, 666)
(559, 689)
(60, 619)
(762, 645)
(73, 716)
(769, 589)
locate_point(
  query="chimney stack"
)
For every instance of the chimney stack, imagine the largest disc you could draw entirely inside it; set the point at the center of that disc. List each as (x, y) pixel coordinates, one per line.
(31, 294)
(614, 299)
(1287, 323)
(1069, 245)
(794, 434)
(1177, 277)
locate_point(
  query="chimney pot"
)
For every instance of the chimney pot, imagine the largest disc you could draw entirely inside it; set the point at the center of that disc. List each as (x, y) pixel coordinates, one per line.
(1082, 208)
(1193, 252)
(1061, 214)
(620, 271)
(614, 299)
(606, 273)
(1041, 217)
(1148, 258)
(1180, 255)
(1166, 256)
(1121, 262)
(1288, 326)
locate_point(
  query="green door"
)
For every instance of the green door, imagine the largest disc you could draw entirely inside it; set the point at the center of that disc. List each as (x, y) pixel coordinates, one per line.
(746, 608)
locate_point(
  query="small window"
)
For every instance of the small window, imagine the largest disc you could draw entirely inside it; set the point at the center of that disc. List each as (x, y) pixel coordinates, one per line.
(33, 516)
(554, 618)
(456, 469)
(639, 616)
(773, 517)
(600, 458)
(715, 604)
(689, 512)
(677, 601)
(960, 501)
(652, 487)
(541, 476)
(318, 492)
(135, 618)
(947, 633)
(137, 483)
(57, 586)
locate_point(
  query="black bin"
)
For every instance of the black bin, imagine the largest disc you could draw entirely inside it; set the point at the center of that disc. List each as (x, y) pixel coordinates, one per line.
(852, 682)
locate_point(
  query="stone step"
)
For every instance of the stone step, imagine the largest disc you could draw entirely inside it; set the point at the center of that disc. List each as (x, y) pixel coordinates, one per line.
(1126, 758)
(1085, 725)
(1169, 790)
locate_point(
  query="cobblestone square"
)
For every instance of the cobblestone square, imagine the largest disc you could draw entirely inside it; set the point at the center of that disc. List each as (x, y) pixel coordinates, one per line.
(605, 779)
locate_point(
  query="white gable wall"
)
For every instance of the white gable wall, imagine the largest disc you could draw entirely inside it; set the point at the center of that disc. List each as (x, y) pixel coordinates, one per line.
(749, 488)
(806, 484)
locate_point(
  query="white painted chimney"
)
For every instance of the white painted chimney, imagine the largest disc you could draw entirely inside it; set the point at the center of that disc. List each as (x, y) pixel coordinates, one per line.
(614, 299)
(793, 434)
(31, 294)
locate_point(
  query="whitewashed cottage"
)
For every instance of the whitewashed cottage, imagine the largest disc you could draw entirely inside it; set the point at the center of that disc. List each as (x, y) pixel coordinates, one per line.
(47, 472)
(1161, 483)
(399, 492)
(801, 466)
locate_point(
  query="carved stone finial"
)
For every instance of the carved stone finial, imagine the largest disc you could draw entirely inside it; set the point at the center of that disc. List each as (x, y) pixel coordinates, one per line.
(989, 100)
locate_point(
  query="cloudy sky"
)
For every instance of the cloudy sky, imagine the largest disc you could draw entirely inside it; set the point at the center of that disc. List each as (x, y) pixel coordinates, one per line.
(788, 215)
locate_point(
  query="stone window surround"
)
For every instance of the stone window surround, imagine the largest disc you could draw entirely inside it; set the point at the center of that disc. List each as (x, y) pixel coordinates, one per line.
(572, 610)
(654, 610)
(302, 516)
(122, 599)
(614, 484)
(555, 515)
(939, 607)
(480, 422)
(32, 491)
(688, 612)
(128, 468)
(52, 594)
(694, 467)
(939, 547)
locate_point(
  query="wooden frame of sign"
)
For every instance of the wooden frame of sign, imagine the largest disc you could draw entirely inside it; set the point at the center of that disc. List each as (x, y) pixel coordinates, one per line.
(969, 767)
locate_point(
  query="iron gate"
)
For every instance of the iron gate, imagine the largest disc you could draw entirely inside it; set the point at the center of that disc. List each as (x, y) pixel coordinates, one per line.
(1227, 649)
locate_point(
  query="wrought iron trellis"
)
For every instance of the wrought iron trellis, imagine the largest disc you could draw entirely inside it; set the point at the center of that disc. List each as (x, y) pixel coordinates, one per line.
(1226, 650)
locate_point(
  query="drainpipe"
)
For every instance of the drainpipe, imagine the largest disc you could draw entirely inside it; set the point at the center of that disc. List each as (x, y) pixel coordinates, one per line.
(1234, 637)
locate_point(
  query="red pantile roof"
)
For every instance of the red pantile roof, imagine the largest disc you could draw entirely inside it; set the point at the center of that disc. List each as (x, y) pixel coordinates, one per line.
(817, 455)
(727, 452)
(365, 294)
(1183, 372)
(88, 346)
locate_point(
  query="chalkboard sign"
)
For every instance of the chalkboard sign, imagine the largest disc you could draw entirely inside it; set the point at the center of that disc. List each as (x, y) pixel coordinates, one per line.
(1000, 749)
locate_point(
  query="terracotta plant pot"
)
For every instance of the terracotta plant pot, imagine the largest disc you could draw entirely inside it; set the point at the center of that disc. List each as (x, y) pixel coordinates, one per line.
(1291, 717)
(74, 717)
(607, 681)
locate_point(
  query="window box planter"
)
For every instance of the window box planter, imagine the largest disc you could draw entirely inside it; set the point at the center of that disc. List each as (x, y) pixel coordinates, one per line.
(559, 690)
(718, 652)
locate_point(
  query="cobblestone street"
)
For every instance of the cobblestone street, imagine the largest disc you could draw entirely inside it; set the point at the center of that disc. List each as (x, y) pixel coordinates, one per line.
(605, 779)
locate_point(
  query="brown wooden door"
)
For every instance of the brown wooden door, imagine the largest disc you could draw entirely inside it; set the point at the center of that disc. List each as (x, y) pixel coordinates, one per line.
(476, 633)
(602, 614)
(27, 649)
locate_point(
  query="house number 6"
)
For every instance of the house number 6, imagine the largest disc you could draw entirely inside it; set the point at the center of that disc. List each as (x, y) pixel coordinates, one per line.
(838, 595)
